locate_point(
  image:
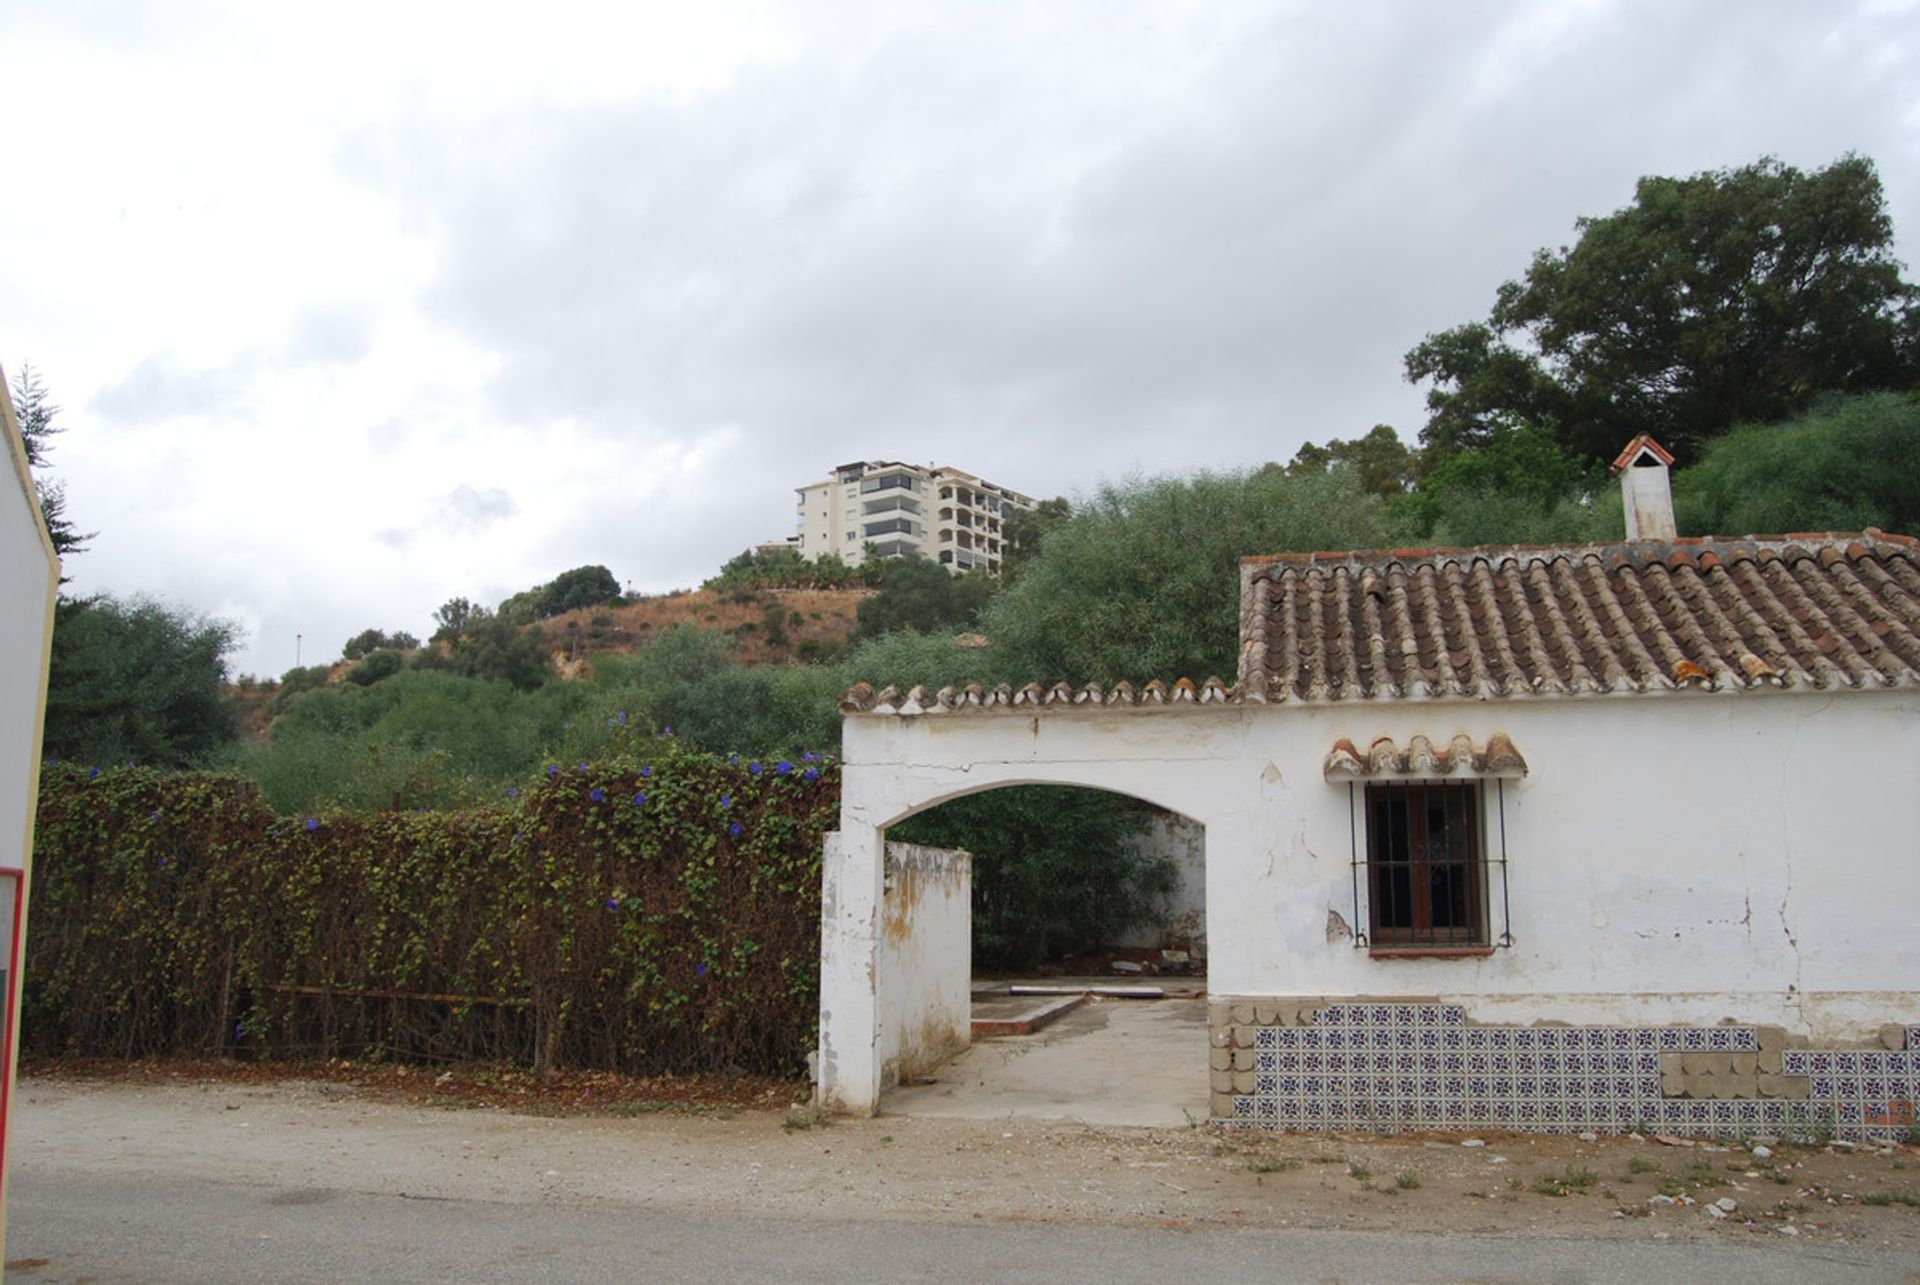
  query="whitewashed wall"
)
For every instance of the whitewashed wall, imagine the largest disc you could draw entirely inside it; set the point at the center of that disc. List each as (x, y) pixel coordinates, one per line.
(28, 577)
(1685, 857)
(925, 962)
(1179, 917)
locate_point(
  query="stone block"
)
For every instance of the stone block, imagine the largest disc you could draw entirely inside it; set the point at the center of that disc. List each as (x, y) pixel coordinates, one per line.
(1266, 1012)
(1746, 1063)
(1769, 1063)
(1242, 1059)
(1770, 1038)
(1242, 1014)
(1741, 1086)
(1672, 1064)
(1221, 1037)
(1220, 1105)
(1221, 1081)
(1893, 1037)
(1673, 1084)
(1243, 1081)
(1220, 1059)
(1796, 1087)
(1707, 1063)
(1219, 1014)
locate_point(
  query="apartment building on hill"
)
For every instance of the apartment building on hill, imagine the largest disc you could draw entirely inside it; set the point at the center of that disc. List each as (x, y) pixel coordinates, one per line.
(954, 518)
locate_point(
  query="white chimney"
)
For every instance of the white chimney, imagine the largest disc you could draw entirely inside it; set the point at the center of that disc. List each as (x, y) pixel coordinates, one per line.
(1647, 489)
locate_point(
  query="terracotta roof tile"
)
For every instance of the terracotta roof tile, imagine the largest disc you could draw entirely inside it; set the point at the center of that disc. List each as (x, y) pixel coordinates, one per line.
(1715, 613)
(1712, 613)
(1421, 758)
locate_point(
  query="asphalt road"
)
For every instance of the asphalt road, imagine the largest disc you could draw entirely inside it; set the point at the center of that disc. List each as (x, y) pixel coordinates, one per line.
(88, 1227)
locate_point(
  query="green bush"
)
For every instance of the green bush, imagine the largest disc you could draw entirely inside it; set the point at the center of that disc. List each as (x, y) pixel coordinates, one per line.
(1054, 872)
(634, 916)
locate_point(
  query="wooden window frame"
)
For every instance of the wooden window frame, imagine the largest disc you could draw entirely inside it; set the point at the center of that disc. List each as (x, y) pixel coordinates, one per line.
(1402, 913)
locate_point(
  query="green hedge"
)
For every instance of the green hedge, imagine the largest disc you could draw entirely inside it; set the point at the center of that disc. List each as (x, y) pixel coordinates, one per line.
(648, 914)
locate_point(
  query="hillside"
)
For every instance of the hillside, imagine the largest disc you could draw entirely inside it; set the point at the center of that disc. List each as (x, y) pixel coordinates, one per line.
(768, 626)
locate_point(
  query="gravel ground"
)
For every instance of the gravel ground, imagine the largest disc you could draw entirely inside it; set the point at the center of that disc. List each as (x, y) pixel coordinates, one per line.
(385, 1134)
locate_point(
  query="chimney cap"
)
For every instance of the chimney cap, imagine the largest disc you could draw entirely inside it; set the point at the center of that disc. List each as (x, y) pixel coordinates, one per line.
(1643, 444)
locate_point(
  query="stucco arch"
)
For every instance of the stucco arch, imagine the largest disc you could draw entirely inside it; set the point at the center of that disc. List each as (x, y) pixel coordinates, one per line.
(895, 767)
(1077, 779)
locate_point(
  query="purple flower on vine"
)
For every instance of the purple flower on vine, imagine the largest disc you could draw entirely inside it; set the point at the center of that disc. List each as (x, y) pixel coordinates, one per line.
(782, 767)
(596, 794)
(612, 904)
(810, 757)
(583, 767)
(92, 772)
(512, 793)
(726, 800)
(733, 760)
(639, 799)
(313, 823)
(753, 768)
(646, 771)
(734, 829)
(699, 970)
(553, 769)
(811, 775)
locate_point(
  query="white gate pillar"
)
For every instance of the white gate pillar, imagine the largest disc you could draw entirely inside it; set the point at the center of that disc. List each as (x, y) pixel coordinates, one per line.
(851, 873)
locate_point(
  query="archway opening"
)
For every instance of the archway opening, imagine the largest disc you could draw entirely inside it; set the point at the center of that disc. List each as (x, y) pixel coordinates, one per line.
(1087, 941)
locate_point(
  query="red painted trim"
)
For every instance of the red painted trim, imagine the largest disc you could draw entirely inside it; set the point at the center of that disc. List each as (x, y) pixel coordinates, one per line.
(1429, 952)
(13, 988)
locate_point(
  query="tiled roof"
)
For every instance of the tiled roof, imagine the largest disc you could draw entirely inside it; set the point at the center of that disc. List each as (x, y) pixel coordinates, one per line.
(862, 699)
(1422, 759)
(1820, 611)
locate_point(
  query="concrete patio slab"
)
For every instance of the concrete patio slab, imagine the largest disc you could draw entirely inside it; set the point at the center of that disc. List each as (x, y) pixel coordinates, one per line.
(1106, 1062)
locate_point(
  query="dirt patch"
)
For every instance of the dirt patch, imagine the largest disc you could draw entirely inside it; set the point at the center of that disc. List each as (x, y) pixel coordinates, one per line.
(382, 1132)
(584, 1093)
(810, 621)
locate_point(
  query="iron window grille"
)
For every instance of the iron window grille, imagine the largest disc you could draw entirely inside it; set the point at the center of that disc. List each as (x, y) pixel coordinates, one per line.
(1420, 852)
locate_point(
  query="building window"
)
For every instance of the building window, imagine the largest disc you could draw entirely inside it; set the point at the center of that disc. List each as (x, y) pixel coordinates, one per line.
(1426, 871)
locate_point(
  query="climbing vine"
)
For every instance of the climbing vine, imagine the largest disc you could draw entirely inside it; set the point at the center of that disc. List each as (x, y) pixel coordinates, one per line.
(654, 912)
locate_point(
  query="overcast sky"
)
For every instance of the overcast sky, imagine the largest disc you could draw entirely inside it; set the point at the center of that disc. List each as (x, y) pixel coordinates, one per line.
(355, 307)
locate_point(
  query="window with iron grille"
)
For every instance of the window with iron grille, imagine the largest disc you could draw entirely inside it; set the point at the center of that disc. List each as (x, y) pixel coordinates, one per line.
(1426, 873)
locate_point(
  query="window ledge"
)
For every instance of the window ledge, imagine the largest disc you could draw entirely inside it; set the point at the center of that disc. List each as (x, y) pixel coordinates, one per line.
(1429, 952)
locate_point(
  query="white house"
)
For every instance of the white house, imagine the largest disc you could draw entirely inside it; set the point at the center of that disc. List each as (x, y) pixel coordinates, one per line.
(29, 578)
(1558, 838)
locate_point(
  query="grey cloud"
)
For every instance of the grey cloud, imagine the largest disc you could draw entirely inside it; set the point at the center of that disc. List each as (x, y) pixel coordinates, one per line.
(397, 538)
(976, 241)
(389, 435)
(332, 333)
(466, 509)
(160, 387)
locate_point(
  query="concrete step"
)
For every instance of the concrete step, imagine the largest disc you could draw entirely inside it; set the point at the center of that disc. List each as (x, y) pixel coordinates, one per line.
(1020, 1014)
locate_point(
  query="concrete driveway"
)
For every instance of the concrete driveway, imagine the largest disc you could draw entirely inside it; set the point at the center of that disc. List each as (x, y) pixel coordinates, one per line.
(1107, 1062)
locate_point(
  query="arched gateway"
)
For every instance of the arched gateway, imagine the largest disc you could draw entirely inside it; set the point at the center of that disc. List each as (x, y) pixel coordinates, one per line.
(1586, 837)
(904, 754)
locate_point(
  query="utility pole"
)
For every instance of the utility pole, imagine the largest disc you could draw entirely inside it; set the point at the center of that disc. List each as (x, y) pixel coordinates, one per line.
(296, 651)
